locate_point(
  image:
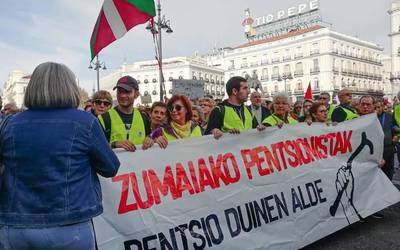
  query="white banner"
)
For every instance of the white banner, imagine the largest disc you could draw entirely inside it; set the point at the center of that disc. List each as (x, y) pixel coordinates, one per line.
(276, 189)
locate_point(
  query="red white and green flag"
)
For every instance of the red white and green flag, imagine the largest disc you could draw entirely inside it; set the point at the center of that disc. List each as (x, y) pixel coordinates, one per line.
(116, 18)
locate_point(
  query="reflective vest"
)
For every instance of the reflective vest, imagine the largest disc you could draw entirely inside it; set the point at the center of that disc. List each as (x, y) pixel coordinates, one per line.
(397, 114)
(232, 120)
(350, 115)
(196, 132)
(273, 120)
(136, 135)
(331, 108)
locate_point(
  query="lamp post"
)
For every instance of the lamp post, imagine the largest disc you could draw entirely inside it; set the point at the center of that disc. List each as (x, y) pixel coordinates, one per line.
(286, 76)
(156, 29)
(97, 66)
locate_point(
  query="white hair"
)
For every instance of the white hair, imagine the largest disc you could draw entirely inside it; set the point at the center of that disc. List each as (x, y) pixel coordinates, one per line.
(280, 95)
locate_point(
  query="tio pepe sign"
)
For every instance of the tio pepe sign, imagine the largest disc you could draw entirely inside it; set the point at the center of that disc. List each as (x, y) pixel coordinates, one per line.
(292, 11)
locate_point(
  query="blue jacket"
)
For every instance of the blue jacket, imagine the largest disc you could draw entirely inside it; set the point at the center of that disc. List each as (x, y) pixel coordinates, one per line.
(52, 158)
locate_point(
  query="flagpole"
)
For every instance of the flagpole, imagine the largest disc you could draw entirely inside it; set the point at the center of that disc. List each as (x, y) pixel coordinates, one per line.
(161, 80)
(156, 29)
(97, 66)
(98, 73)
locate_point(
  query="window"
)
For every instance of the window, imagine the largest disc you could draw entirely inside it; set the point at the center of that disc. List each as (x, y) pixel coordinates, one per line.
(316, 64)
(287, 69)
(316, 83)
(299, 67)
(314, 48)
(299, 85)
(232, 64)
(275, 70)
(264, 72)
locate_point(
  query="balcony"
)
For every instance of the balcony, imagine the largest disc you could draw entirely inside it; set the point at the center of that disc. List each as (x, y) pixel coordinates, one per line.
(287, 75)
(244, 65)
(264, 62)
(316, 89)
(274, 77)
(335, 51)
(253, 64)
(276, 60)
(287, 58)
(298, 55)
(298, 73)
(314, 52)
(298, 91)
(314, 71)
(264, 78)
(232, 67)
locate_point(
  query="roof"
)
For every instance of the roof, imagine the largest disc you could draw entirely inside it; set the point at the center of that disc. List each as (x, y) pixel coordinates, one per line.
(273, 39)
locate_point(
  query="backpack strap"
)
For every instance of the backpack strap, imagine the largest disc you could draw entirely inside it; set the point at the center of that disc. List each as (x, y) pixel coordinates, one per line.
(107, 125)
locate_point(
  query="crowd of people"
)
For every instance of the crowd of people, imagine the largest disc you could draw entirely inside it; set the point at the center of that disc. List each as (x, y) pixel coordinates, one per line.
(52, 152)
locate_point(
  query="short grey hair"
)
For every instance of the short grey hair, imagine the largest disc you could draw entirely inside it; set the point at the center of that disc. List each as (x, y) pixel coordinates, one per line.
(200, 111)
(52, 85)
(280, 95)
(326, 93)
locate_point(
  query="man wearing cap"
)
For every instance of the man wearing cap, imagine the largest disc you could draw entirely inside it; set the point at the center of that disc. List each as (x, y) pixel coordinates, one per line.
(125, 126)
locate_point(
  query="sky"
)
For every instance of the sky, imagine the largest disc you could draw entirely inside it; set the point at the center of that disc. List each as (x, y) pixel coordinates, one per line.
(36, 31)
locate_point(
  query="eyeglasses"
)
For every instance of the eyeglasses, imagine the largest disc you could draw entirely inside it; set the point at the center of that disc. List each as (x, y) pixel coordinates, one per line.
(323, 98)
(323, 111)
(105, 103)
(177, 107)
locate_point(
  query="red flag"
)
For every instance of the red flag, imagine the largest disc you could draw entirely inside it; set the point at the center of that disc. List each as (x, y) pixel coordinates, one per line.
(308, 95)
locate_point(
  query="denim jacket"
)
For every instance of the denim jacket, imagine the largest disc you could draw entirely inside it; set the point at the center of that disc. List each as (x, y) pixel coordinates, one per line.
(52, 158)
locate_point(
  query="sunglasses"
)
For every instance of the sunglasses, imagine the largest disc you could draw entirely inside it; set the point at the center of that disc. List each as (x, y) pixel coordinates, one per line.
(177, 107)
(105, 103)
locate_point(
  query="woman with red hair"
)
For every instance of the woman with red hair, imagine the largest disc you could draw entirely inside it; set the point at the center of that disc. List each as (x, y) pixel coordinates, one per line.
(179, 125)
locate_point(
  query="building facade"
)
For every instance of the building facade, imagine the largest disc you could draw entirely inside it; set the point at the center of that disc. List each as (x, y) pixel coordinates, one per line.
(394, 35)
(14, 88)
(147, 74)
(327, 59)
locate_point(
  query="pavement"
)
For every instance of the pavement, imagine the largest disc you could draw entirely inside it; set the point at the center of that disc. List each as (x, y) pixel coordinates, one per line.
(373, 234)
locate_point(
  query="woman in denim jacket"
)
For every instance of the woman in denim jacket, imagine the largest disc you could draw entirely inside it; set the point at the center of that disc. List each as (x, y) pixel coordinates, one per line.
(52, 154)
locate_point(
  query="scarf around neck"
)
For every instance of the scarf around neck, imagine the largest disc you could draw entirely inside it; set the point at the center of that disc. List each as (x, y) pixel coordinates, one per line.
(182, 131)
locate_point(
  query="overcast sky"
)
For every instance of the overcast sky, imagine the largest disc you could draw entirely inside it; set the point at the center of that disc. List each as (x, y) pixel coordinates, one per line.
(35, 31)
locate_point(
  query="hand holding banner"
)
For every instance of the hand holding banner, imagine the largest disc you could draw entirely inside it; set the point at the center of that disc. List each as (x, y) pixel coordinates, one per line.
(275, 189)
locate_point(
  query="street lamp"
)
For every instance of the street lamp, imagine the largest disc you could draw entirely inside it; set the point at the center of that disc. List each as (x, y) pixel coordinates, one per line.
(286, 76)
(156, 29)
(97, 66)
